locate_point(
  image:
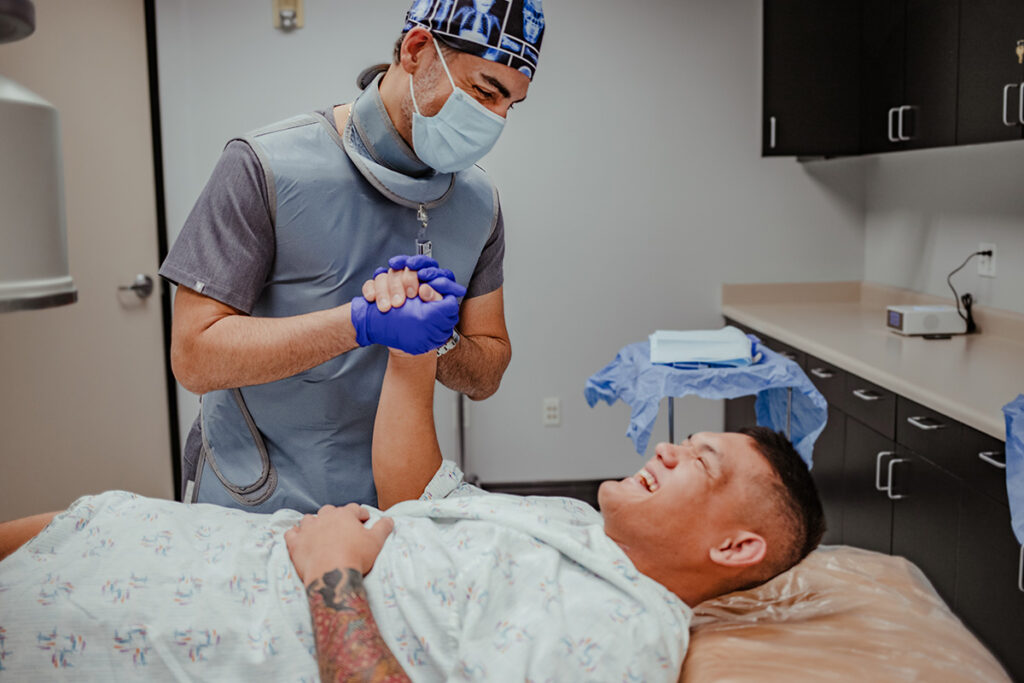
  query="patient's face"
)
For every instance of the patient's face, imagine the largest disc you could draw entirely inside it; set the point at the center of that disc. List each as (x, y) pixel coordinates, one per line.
(686, 494)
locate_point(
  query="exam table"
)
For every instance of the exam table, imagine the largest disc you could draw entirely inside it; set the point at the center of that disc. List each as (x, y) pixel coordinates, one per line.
(843, 614)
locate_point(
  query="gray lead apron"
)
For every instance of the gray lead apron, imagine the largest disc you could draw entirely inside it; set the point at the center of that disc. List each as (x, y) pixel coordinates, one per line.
(339, 212)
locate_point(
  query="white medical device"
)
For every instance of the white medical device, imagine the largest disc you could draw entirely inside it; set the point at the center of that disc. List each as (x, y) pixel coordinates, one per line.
(928, 320)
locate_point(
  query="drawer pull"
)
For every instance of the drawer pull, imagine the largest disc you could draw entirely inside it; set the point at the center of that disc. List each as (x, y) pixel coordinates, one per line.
(788, 355)
(990, 458)
(867, 394)
(878, 471)
(822, 373)
(928, 424)
(896, 496)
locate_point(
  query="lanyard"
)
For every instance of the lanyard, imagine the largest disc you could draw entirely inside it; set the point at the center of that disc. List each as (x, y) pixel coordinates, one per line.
(423, 245)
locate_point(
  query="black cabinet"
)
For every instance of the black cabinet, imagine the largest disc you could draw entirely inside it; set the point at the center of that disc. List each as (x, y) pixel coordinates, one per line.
(900, 478)
(989, 598)
(828, 475)
(925, 518)
(910, 52)
(883, 75)
(811, 78)
(991, 99)
(867, 501)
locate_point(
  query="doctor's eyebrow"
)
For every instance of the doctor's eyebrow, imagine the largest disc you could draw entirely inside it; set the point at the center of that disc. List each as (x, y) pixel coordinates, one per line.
(498, 85)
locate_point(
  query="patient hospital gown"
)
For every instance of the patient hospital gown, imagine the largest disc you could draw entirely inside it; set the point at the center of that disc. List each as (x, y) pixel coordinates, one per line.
(469, 586)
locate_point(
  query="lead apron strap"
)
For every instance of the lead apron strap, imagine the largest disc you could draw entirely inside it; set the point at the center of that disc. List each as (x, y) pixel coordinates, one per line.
(268, 476)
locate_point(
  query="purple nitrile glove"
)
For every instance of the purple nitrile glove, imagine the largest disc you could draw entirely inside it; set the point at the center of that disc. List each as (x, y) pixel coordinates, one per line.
(416, 327)
(401, 262)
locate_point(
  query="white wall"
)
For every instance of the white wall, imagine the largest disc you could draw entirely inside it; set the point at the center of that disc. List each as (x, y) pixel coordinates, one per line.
(927, 210)
(631, 182)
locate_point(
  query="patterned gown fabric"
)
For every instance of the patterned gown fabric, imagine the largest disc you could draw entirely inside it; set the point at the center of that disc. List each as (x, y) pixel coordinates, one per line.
(469, 586)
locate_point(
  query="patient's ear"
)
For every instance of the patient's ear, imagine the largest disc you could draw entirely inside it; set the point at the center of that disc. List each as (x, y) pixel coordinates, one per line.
(742, 549)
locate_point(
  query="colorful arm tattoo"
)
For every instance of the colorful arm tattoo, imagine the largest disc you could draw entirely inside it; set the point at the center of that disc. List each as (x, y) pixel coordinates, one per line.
(348, 645)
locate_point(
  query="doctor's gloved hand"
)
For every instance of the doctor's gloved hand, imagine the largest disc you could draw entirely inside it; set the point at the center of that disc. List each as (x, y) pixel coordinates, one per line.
(417, 326)
(403, 279)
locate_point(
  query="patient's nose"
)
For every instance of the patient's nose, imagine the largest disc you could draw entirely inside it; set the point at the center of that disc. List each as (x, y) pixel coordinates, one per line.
(668, 454)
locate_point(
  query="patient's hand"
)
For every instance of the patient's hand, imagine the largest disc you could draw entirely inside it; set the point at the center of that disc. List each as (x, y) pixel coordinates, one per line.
(336, 538)
(402, 280)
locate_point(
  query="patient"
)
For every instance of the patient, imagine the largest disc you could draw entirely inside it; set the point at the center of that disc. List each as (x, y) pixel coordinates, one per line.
(464, 584)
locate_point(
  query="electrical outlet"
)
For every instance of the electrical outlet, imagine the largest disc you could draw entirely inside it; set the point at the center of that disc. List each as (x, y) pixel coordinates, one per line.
(288, 15)
(987, 264)
(552, 415)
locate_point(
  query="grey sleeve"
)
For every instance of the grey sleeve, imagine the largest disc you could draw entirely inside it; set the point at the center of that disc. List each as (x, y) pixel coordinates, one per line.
(226, 248)
(489, 273)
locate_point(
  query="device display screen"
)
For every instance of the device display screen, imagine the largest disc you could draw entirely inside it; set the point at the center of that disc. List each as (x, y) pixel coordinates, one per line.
(896, 320)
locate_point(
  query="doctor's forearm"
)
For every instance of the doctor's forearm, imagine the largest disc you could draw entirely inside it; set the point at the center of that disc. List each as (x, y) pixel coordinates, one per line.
(239, 350)
(475, 366)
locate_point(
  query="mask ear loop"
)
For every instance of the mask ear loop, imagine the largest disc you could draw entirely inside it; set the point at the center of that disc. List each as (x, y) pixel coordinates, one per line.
(447, 72)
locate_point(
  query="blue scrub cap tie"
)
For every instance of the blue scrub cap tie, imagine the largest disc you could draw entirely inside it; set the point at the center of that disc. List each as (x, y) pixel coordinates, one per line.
(508, 32)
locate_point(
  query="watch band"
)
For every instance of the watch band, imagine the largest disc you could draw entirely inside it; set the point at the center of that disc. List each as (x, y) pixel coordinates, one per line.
(450, 344)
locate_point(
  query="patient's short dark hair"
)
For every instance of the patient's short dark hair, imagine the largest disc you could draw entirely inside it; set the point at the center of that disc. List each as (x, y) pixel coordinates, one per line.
(793, 494)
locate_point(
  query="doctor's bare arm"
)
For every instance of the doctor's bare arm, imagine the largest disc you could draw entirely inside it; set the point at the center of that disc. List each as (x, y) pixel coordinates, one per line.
(18, 532)
(215, 346)
(477, 363)
(405, 451)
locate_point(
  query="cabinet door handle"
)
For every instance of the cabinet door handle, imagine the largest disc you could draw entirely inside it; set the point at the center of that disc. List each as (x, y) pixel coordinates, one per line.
(1020, 104)
(892, 114)
(990, 458)
(771, 140)
(822, 373)
(1020, 571)
(878, 472)
(888, 491)
(920, 423)
(899, 129)
(788, 355)
(1006, 103)
(866, 394)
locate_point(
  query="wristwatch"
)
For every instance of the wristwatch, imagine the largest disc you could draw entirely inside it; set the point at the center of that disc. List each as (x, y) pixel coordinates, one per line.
(450, 344)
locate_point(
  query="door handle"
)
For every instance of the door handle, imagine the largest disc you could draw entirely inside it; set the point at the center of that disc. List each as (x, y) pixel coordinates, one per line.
(1006, 103)
(990, 458)
(899, 129)
(920, 423)
(822, 373)
(892, 112)
(143, 286)
(888, 491)
(1020, 104)
(1020, 571)
(878, 472)
(771, 142)
(866, 395)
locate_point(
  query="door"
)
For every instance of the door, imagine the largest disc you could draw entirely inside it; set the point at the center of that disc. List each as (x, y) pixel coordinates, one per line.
(991, 71)
(828, 474)
(884, 73)
(932, 46)
(924, 519)
(867, 511)
(989, 595)
(811, 78)
(83, 398)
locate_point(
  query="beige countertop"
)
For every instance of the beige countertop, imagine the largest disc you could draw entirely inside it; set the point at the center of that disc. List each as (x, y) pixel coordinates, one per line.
(969, 377)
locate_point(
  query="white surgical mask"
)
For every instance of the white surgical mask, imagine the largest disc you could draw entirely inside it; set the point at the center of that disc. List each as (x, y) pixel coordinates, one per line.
(459, 135)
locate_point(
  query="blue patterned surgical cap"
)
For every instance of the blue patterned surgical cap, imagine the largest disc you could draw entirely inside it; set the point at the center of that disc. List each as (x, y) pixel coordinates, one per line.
(508, 32)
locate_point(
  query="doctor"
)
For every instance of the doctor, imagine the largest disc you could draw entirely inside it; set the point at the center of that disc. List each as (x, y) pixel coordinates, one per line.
(276, 324)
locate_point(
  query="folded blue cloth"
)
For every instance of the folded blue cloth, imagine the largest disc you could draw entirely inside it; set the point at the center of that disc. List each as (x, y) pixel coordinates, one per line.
(641, 384)
(1014, 413)
(690, 349)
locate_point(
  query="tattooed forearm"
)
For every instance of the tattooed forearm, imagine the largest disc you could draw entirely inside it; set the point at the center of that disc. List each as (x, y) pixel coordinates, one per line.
(348, 645)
